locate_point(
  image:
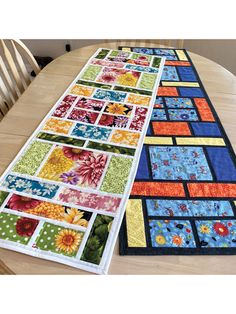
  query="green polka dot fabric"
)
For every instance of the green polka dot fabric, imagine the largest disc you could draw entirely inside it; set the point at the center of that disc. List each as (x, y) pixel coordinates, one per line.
(54, 238)
(13, 228)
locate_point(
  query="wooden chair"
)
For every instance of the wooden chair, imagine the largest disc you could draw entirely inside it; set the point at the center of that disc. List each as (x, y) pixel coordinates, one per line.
(14, 76)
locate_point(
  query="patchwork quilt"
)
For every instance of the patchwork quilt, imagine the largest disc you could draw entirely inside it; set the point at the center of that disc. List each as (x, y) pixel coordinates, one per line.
(63, 196)
(183, 200)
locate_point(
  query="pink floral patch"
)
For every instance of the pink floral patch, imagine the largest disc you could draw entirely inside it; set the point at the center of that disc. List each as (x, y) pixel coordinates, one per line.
(108, 63)
(113, 121)
(90, 200)
(91, 104)
(139, 119)
(83, 115)
(64, 106)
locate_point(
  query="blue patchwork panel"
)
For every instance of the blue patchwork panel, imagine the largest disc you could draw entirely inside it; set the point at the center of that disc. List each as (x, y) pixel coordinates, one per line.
(183, 114)
(28, 186)
(179, 102)
(109, 95)
(216, 233)
(205, 129)
(179, 163)
(162, 207)
(187, 74)
(159, 102)
(92, 132)
(141, 68)
(142, 172)
(169, 74)
(222, 163)
(158, 114)
(191, 92)
(171, 233)
(168, 53)
(148, 51)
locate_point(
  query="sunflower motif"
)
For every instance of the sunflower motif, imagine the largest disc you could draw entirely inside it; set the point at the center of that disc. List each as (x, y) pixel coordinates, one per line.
(160, 239)
(68, 240)
(116, 108)
(177, 240)
(204, 229)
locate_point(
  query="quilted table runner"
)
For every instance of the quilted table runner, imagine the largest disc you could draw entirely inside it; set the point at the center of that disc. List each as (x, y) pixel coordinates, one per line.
(183, 200)
(64, 195)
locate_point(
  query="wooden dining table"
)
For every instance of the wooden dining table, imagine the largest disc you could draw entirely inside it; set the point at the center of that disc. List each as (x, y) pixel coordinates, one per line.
(37, 100)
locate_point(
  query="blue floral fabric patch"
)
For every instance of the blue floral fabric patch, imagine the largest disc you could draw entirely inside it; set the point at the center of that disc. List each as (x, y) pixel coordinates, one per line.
(196, 208)
(28, 186)
(179, 102)
(92, 132)
(183, 114)
(158, 114)
(216, 233)
(109, 95)
(179, 163)
(159, 102)
(141, 68)
(171, 233)
(169, 74)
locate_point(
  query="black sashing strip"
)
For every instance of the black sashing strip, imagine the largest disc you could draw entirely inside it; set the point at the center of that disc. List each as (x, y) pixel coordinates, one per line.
(188, 251)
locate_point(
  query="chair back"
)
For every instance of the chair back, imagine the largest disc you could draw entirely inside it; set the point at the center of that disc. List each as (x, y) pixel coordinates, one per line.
(15, 57)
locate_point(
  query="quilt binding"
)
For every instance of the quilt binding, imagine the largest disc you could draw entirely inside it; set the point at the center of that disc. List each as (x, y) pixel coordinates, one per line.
(102, 268)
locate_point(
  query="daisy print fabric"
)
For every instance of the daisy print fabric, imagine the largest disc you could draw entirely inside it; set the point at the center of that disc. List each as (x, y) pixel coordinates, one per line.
(63, 196)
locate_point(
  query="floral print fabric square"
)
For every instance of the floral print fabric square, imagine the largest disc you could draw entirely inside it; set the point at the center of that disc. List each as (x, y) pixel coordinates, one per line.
(168, 233)
(59, 240)
(16, 228)
(83, 116)
(74, 166)
(91, 104)
(92, 132)
(179, 163)
(118, 109)
(119, 76)
(183, 114)
(113, 121)
(48, 209)
(217, 233)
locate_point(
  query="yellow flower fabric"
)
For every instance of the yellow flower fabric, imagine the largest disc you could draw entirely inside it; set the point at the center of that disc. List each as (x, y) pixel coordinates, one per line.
(56, 164)
(58, 126)
(125, 137)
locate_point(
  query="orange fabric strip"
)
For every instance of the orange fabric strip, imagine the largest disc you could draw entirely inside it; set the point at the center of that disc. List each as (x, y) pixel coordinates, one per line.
(204, 109)
(167, 91)
(171, 128)
(158, 189)
(212, 189)
(181, 63)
